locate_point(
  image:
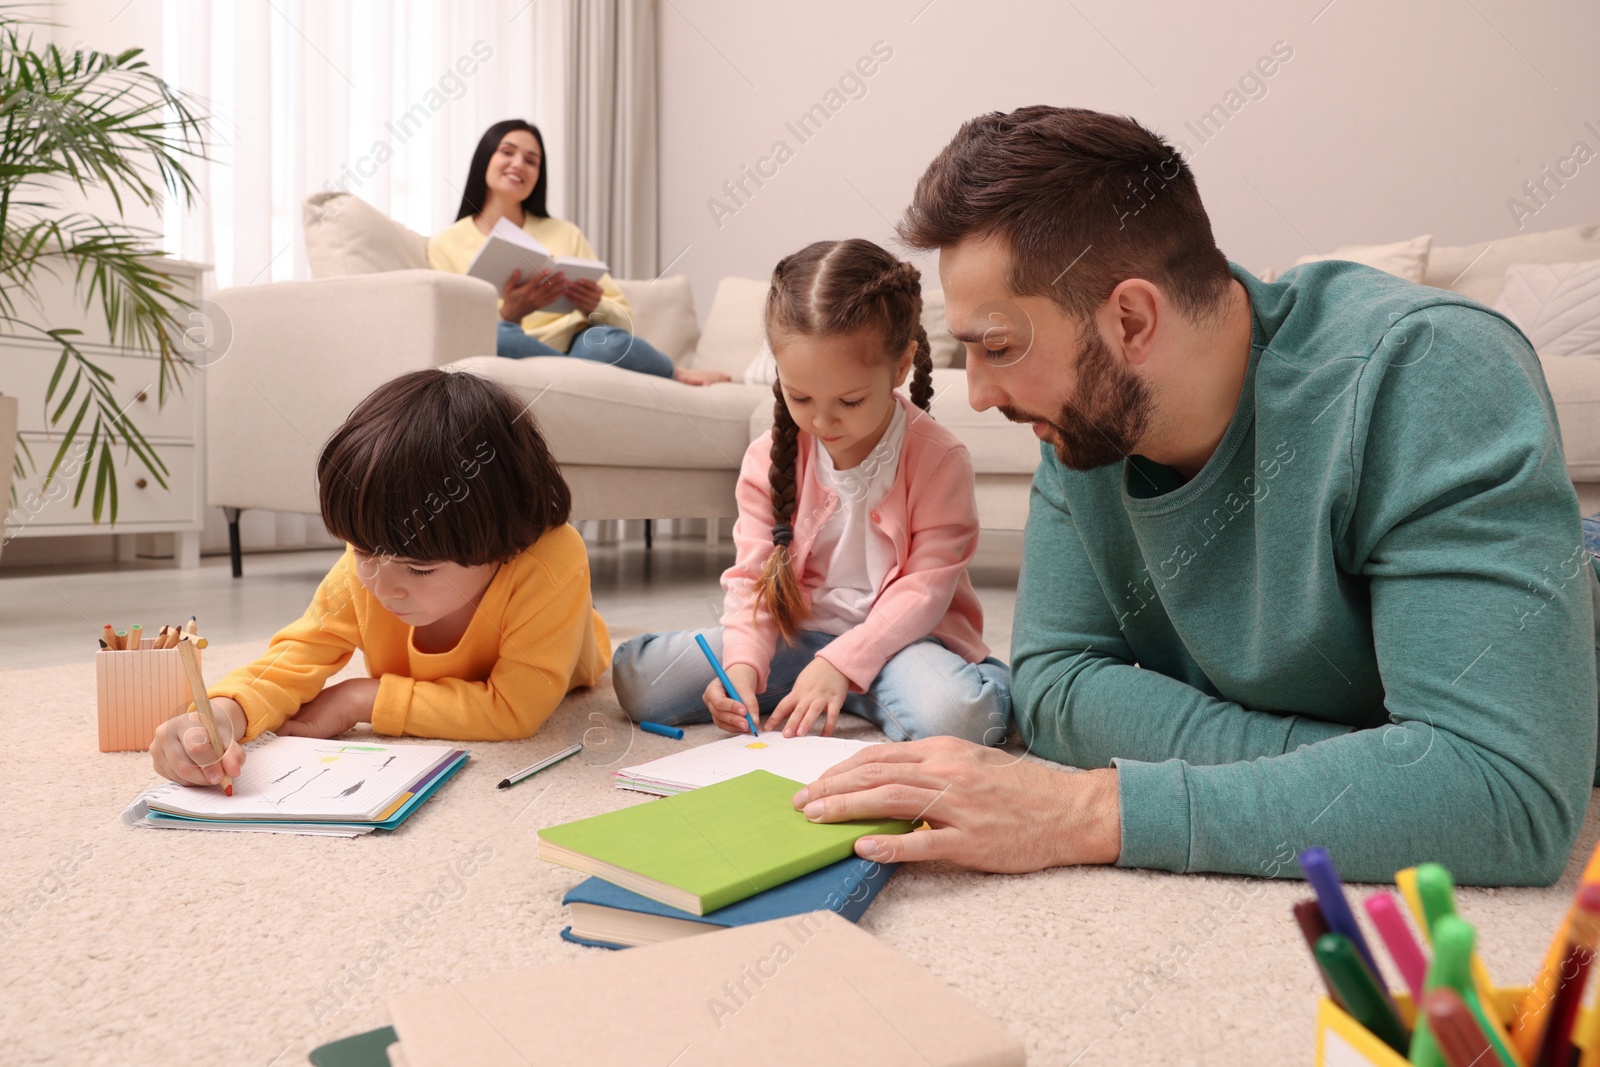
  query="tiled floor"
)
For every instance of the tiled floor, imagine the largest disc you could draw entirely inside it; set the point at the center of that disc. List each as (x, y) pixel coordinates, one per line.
(54, 615)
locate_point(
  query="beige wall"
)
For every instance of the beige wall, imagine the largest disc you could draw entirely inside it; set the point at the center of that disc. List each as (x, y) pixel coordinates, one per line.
(1389, 120)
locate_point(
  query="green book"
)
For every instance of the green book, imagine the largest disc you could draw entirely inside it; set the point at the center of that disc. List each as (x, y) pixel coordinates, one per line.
(710, 847)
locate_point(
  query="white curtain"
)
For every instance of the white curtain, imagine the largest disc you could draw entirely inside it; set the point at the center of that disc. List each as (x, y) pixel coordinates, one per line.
(383, 99)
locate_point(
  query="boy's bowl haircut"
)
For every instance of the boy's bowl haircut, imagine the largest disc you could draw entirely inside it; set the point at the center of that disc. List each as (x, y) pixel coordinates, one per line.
(440, 466)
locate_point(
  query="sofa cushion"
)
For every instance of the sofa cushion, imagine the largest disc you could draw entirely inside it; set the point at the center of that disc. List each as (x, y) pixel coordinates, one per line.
(596, 415)
(346, 235)
(1575, 388)
(1479, 271)
(1404, 259)
(943, 346)
(1556, 304)
(997, 445)
(663, 313)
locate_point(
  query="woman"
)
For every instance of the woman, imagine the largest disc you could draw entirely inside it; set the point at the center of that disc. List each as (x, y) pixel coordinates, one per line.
(507, 180)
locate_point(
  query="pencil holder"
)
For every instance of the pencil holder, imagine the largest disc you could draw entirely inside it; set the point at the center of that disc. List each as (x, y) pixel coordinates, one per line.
(1343, 1042)
(137, 691)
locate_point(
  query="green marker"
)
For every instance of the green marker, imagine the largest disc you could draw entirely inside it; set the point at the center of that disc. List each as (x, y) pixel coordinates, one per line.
(1453, 939)
(1352, 979)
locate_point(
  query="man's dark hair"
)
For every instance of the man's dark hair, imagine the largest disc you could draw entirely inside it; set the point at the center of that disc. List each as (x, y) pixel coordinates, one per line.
(440, 466)
(1085, 200)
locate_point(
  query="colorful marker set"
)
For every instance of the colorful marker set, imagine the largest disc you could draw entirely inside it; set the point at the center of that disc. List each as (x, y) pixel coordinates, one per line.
(1450, 1015)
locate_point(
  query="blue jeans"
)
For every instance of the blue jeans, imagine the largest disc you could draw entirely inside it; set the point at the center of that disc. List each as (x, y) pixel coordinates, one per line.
(1591, 534)
(599, 344)
(925, 690)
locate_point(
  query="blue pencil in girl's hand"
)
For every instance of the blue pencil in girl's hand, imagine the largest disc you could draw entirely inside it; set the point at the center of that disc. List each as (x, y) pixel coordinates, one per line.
(727, 683)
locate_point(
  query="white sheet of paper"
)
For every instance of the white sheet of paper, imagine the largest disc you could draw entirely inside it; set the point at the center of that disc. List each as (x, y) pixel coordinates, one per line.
(295, 778)
(802, 759)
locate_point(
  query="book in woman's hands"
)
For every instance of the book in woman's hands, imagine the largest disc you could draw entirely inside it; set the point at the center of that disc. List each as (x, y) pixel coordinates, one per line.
(509, 248)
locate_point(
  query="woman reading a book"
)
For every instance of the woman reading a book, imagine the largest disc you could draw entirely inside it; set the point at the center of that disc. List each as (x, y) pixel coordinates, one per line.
(507, 180)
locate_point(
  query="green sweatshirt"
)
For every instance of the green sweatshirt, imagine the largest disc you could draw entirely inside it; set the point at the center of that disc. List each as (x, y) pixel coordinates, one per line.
(1367, 623)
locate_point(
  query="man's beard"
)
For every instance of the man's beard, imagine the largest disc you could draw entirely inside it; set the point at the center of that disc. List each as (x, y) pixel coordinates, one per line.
(1106, 417)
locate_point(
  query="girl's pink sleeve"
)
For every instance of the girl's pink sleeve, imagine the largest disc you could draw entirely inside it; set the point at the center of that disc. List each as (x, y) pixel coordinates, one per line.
(943, 531)
(745, 638)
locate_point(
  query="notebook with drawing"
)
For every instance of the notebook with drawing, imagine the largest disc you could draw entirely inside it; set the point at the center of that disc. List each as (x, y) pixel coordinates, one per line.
(300, 783)
(510, 248)
(800, 758)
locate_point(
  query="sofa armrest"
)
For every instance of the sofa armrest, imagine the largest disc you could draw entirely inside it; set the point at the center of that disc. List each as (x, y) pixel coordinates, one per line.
(296, 357)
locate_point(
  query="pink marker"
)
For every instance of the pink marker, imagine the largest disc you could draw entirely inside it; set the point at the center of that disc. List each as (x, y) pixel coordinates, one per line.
(1385, 914)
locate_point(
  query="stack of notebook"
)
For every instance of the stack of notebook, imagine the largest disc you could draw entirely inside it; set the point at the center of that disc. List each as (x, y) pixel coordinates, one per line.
(727, 854)
(305, 785)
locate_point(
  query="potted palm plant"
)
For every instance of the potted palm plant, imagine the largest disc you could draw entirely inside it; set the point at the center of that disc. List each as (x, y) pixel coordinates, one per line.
(78, 120)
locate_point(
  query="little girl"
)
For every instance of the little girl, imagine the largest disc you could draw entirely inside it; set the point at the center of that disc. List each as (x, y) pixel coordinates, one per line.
(856, 523)
(463, 586)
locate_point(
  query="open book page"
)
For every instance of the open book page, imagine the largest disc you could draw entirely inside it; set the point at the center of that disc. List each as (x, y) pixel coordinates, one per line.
(802, 759)
(295, 778)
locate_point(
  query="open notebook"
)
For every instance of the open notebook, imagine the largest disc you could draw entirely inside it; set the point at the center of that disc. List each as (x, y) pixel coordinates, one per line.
(800, 758)
(307, 785)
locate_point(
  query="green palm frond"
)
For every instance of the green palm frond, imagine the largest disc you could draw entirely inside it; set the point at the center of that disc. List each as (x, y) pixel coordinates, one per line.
(91, 119)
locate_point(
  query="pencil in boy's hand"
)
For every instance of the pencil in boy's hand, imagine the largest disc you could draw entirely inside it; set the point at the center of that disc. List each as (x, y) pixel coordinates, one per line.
(202, 703)
(727, 683)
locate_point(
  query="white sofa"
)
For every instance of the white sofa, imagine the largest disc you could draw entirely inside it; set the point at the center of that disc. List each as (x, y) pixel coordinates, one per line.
(633, 446)
(300, 355)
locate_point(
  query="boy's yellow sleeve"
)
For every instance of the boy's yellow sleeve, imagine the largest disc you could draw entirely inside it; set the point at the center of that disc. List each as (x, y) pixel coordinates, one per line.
(300, 657)
(551, 640)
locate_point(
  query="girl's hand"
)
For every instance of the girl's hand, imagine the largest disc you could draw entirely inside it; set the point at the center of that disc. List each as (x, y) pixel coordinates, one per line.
(519, 298)
(334, 710)
(585, 295)
(819, 690)
(181, 751)
(728, 713)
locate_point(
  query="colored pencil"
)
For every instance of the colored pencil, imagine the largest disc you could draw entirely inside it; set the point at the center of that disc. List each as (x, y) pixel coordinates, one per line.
(202, 705)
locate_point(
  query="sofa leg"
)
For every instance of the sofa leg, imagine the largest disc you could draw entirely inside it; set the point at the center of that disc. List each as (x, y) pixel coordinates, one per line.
(235, 553)
(649, 533)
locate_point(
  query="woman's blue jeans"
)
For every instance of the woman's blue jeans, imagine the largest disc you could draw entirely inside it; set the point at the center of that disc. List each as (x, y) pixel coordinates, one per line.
(599, 344)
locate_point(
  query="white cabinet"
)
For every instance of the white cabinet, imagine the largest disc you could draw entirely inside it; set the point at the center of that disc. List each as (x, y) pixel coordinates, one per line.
(175, 429)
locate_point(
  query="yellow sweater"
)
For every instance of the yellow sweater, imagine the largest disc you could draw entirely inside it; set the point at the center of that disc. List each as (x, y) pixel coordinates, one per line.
(534, 637)
(453, 249)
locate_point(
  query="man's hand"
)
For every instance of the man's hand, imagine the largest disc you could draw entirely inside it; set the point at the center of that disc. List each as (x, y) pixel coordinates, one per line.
(989, 810)
(334, 710)
(819, 690)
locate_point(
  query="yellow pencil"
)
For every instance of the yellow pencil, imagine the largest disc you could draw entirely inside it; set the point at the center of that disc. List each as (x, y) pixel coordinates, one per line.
(202, 704)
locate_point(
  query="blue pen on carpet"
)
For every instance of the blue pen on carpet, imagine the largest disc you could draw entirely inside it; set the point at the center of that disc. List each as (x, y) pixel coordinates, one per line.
(727, 683)
(665, 731)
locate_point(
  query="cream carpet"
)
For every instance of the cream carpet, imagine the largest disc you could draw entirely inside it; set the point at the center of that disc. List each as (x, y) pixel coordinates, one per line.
(144, 947)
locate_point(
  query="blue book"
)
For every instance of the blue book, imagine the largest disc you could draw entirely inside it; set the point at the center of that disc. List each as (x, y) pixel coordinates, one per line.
(612, 917)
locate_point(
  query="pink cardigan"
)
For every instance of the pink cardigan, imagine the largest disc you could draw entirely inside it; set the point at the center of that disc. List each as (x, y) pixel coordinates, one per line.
(930, 513)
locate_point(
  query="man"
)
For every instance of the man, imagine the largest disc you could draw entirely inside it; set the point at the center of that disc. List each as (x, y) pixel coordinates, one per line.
(1302, 566)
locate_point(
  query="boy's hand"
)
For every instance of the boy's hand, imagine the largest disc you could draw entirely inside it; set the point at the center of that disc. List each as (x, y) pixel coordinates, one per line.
(334, 710)
(728, 713)
(181, 751)
(820, 690)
